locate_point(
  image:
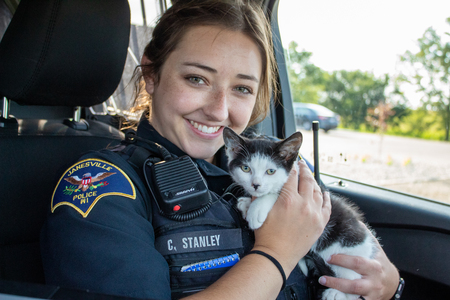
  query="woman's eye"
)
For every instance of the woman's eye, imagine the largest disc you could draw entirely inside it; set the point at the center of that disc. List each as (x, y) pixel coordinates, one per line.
(245, 168)
(244, 90)
(271, 171)
(196, 80)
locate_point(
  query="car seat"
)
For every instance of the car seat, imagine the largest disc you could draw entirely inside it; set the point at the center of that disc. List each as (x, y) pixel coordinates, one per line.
(56, 57)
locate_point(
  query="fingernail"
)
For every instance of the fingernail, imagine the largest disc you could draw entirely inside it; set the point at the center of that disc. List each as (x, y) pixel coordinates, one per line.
(322, 280)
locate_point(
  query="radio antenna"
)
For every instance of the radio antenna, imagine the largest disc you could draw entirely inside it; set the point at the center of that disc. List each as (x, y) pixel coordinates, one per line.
(315, 128)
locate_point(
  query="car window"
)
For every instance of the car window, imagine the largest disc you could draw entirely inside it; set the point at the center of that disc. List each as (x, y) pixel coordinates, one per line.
(383, 68)
(5, 18)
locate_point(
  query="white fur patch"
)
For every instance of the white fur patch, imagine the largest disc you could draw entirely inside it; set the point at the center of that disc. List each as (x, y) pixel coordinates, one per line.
(365, 249)
(243, 204)
(259, 209)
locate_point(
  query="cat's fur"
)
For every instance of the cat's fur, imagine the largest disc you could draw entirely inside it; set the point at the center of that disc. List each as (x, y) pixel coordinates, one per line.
(251, 163)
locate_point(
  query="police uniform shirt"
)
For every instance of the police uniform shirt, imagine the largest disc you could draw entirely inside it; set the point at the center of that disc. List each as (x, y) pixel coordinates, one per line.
(99, 235)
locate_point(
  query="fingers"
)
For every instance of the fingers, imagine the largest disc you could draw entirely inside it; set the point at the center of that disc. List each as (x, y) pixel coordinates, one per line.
(326, 205)
(358, 264)
(307, 186)
(367, 268)
(292, 181)
(355, 287)
(379, 276)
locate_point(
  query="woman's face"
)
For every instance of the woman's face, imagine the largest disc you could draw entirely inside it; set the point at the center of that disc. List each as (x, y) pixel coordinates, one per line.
(210, 81)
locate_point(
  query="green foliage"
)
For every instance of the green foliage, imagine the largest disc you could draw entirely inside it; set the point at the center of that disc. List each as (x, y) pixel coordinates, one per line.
(431, 75)
(419, 123)
(348, 93)
(352, 93)
(307, 80)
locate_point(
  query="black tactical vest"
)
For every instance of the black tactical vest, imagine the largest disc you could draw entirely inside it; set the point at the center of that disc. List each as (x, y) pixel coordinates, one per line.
(199, 251)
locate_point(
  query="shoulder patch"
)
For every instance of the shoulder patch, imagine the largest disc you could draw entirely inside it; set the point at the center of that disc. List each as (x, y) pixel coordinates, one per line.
(89, 180)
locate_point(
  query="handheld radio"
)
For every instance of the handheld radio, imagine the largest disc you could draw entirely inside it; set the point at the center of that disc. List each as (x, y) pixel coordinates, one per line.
(177, 186)
(179, 189)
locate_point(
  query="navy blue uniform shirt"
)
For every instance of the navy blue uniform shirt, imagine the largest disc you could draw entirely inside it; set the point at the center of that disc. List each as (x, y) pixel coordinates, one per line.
(99, 234)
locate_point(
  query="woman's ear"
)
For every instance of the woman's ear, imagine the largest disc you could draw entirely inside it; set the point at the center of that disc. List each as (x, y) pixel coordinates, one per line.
(149, 80)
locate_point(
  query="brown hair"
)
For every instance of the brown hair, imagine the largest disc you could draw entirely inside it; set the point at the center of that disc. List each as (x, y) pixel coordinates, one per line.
(235, 15)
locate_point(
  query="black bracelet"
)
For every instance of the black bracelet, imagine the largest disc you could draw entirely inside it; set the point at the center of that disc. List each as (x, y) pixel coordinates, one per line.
(398, 293)
(275, 262)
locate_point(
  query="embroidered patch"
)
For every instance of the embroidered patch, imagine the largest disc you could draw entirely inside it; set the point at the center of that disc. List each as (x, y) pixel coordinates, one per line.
(89, 180)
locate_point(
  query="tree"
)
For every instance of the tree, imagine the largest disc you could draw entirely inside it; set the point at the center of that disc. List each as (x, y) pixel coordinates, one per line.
(431, 74)
(307, 80)
(348, 93)
(352, 93)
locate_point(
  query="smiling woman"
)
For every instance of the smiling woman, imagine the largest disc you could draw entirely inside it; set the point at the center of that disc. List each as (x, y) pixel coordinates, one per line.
(209, 65)
(110, 226)
(203, 87)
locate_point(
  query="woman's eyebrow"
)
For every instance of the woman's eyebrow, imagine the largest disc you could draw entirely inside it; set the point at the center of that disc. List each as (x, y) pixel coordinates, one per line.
(206, 68)
(247, 77)
(212, 70)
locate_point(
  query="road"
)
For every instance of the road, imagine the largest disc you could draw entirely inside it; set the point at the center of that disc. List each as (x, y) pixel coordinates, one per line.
(410, 165)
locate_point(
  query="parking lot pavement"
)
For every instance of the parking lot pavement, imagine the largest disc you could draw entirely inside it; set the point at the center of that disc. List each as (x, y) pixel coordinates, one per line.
(409, 165)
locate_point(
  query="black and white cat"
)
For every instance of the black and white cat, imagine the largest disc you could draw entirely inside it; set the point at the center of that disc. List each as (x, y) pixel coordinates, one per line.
(261, 166)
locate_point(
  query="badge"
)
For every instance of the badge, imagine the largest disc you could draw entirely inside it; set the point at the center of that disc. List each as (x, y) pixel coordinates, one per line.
(87, 181)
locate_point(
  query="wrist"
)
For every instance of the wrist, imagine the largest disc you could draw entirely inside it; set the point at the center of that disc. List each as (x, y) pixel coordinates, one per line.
(275, 262)
(287, 265)
(399, 290)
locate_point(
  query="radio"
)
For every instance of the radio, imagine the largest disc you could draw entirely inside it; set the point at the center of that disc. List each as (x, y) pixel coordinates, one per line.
(178, 187)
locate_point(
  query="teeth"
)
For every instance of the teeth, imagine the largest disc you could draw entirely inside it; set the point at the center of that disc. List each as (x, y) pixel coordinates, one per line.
(204, 128)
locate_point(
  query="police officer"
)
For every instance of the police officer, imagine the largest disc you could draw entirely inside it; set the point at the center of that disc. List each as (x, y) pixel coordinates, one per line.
(208, 66)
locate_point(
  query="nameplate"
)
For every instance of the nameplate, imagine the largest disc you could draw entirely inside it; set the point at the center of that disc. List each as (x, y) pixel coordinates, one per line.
(197, 241)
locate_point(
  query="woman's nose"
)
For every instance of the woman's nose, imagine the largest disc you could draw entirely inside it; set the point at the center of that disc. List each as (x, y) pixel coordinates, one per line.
(217, 107)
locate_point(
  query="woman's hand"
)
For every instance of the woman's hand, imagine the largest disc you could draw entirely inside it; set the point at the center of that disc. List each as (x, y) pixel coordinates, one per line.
(296, 220)
(379, 276)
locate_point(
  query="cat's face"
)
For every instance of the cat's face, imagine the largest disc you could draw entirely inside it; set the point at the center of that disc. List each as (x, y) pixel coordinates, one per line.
(260, 166)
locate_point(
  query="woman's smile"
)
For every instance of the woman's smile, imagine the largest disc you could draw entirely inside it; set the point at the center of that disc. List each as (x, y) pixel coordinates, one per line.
(205, 128)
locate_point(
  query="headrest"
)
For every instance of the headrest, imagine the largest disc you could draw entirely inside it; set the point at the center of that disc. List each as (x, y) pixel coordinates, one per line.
(64, 53)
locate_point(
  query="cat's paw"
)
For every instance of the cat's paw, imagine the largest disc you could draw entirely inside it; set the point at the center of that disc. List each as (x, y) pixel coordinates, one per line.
(256, 216)
(243, 204)
(332, 294)
(259, 209)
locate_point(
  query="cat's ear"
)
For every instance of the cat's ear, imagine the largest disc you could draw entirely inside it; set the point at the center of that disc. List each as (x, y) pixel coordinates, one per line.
(233, 142)
(289, 148)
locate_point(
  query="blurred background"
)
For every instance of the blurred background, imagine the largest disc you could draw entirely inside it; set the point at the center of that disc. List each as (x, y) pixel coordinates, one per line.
(375, 74)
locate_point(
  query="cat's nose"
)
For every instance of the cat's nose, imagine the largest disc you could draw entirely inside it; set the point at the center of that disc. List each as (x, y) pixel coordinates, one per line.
(256, 186)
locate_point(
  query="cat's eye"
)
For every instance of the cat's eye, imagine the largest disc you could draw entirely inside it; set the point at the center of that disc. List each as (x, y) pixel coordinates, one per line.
(271, 171)
(245, 168)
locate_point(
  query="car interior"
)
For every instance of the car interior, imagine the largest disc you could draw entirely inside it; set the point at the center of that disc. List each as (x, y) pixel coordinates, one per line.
(58, 59)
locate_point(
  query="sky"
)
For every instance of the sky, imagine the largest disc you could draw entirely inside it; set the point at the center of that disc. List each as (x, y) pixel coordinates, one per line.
(360, 34)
